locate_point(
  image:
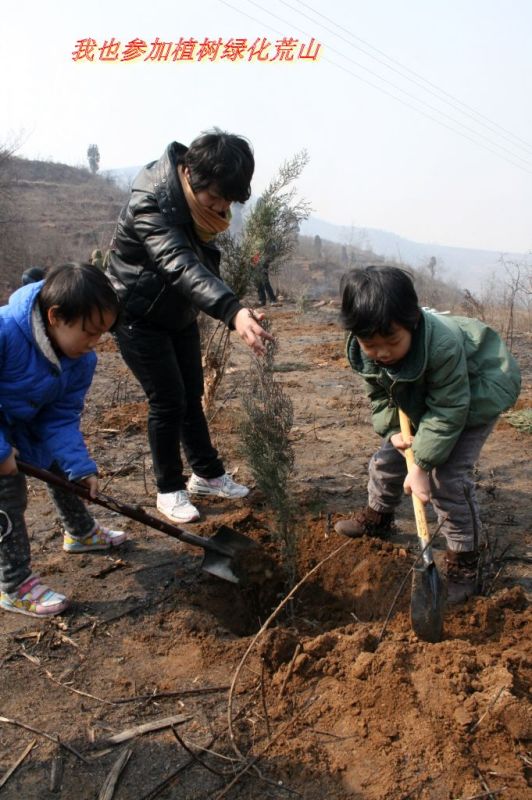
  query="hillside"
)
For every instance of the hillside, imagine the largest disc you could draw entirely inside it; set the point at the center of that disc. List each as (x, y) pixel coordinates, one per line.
(314, 276)
(469, 268)
(52, 213)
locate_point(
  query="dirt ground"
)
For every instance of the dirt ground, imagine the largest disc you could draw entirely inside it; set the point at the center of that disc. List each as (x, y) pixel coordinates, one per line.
(333, 699)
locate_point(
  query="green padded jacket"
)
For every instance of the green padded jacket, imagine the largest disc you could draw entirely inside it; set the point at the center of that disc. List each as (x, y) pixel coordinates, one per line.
(457, 374)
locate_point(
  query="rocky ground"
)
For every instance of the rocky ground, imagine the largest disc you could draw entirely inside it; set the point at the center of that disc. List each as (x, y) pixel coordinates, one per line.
(335, 697)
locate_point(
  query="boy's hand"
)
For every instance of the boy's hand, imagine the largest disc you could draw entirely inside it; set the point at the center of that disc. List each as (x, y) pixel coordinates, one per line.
(399, 443)
(247, 326)
(9, 465)
(417, 482)
(91, 482)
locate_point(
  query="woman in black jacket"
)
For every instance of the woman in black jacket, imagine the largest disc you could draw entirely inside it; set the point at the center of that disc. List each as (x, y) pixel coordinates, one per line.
(165, 268)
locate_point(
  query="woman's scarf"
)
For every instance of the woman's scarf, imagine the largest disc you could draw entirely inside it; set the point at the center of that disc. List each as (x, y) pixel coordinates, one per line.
(207, 223)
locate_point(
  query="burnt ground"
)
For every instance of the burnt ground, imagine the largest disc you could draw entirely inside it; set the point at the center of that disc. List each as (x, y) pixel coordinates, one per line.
(331, 701)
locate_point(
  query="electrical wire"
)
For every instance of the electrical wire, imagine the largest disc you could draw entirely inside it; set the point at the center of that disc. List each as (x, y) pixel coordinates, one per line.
(406, 93)
(393, 96)
(456, 102)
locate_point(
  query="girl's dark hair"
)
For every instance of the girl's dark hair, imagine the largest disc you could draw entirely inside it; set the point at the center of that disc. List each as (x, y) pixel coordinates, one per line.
(77, 289)
(32, 275)
(376, 297)
(222, 160)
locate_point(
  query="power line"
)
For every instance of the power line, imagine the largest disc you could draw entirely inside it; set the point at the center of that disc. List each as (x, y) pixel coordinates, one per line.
(471, 112)
(409, 95)
(390, 94)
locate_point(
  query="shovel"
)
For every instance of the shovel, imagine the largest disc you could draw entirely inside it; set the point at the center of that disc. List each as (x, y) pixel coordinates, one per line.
(427, 600)
(224, 552)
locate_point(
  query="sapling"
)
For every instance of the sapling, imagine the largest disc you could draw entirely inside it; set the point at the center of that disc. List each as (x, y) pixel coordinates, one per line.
(269, 453)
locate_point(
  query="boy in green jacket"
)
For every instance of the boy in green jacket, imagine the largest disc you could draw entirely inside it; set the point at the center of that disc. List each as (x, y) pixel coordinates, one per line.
(452, 376)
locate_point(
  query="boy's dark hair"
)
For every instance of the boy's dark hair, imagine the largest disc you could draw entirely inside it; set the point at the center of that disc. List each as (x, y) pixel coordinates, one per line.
(376, 297)
(222, 160)
(77, 289)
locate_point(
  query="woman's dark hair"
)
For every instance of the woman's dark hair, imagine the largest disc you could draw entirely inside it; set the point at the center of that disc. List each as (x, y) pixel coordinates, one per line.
(374, 298)
(222, 160)
(77, 289)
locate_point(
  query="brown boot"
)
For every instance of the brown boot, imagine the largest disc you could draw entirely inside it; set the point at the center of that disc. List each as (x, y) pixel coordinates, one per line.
(461, 575)
(366, 522)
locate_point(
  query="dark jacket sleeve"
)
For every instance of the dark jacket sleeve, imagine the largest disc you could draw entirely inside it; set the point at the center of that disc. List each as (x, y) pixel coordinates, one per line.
(171, 251)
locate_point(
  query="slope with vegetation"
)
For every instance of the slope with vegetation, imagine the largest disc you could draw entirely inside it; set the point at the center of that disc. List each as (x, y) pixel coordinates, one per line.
(51, 213)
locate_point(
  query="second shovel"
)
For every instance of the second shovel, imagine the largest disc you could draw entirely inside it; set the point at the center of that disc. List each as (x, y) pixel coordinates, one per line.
(427, 601)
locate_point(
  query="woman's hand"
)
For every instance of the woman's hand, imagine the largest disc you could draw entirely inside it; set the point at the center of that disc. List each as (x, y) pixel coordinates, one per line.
(247, 326)
(417, 482)
(9, 465)
(91, 482)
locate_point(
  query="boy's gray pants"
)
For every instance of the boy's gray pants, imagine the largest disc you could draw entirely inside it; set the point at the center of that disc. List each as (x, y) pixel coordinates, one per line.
(14, 542)
(452, 488)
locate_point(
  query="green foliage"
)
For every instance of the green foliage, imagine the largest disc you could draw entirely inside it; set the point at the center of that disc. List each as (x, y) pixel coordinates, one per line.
(292, 366)
(521, 419)
(265, 442)
(303, 303)
(93, 155)
(270, 231)
(236, 266)
(273, 224)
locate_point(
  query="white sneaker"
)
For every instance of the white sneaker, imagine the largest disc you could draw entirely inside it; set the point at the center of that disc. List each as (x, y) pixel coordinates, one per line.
(224, 486)
(177, 506)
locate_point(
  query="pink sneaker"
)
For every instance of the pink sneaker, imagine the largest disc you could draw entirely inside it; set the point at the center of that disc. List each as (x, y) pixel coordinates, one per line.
(34, 599)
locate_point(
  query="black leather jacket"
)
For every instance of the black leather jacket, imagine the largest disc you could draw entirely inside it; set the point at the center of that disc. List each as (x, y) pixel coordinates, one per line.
(163, 273)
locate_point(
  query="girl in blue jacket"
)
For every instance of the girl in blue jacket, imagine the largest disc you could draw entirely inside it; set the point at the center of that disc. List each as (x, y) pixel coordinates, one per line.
(47, 334)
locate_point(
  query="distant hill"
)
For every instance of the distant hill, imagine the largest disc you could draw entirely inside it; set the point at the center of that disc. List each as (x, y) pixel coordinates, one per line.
(468, 268)
(51, 213)
(122, 177)
(54, 212)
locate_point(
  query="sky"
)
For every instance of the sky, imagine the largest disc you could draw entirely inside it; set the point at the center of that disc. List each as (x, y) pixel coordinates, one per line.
(416, 115)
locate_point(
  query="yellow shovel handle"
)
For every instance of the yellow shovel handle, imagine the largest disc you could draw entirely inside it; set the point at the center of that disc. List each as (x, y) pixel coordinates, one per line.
(419, 507)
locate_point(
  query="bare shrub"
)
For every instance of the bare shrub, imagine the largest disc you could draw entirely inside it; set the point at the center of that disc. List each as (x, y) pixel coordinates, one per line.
(518, 292)
(506, 298)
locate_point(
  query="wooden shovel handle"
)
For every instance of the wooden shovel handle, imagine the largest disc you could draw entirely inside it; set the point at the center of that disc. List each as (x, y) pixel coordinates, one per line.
(419, 507)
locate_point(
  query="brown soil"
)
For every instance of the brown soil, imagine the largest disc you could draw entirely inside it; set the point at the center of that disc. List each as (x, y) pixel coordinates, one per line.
(333, 698)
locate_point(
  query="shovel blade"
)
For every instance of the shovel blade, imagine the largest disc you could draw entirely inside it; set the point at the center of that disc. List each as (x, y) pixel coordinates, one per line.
(229, 564)
(221, 566)
(232, 541)
(427, 603)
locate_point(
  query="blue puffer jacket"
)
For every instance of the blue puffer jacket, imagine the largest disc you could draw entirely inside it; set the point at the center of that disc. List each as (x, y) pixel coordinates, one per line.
(41, 393)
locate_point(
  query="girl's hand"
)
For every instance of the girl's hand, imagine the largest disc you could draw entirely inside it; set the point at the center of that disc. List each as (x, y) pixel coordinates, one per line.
(417, 482)
(91, 482)
(9, 465)
(247, 326)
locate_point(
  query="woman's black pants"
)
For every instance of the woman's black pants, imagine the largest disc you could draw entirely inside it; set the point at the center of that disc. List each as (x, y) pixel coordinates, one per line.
(168, 366)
